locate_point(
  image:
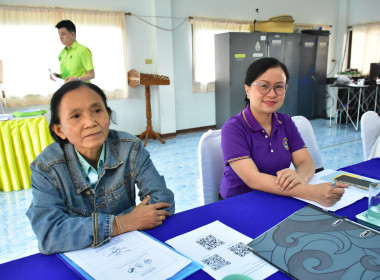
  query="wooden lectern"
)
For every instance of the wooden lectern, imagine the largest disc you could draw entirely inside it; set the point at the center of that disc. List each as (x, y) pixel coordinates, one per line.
(134, 79)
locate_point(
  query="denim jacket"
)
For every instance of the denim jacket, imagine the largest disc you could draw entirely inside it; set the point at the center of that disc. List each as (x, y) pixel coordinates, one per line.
(67, 215)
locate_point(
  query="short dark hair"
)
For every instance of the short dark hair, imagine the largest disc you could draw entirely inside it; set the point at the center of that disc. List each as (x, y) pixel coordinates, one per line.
(56, 101)
(68, 24)
(258, 67)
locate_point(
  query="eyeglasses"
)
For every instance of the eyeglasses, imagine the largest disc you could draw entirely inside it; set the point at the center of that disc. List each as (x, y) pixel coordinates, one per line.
(264, 88)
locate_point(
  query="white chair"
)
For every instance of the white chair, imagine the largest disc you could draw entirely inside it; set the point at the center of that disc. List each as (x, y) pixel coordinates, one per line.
(370, 132)
(307, 133)
(211, 165)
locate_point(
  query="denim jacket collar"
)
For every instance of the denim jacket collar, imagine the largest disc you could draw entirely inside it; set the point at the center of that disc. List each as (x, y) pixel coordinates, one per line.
(111, 161)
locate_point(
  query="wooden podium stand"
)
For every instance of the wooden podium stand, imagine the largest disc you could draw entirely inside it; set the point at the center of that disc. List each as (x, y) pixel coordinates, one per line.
(134, 79)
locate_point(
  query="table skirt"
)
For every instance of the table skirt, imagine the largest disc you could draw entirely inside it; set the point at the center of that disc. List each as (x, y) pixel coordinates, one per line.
(21, 140)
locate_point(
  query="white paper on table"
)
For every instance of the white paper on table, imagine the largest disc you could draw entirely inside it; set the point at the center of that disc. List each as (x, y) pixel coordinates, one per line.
(330, 177)
(218, 246)
(351, 194)
(132, 255)
(56, 79)
(5, 117)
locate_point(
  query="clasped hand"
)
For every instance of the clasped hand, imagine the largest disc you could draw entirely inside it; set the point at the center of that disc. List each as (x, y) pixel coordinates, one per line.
(147, 216)
(287, 178)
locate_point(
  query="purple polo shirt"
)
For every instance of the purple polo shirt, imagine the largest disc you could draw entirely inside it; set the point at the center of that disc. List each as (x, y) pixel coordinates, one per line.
(243, 137)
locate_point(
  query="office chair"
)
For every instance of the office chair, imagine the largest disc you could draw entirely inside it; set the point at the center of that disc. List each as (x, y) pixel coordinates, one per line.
(307, 133)
(211, 165)
(370, 132)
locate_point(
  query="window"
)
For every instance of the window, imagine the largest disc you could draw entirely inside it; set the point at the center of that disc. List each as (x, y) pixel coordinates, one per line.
(30, 47)
(204, 48)
(365, 46)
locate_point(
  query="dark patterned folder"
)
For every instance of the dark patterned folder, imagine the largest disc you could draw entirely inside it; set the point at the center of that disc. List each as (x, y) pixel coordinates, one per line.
(314, 244)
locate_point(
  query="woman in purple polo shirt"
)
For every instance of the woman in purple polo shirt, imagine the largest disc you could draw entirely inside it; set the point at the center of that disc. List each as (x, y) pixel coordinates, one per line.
(259, 144)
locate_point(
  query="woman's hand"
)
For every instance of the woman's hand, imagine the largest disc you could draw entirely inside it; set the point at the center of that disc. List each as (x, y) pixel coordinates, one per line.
(287, 178)
(144, 216)
(327, 194)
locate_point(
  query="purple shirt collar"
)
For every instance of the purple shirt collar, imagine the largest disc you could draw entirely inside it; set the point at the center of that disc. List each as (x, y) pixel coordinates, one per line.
(253, 124)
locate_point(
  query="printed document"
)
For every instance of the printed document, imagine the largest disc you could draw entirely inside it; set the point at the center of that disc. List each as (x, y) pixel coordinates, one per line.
(222, 250)
(351, 194)
(59, 81)
(132, 255)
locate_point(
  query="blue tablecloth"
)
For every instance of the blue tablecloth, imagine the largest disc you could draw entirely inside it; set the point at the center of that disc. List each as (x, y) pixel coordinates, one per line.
(369, 168)
(251, 214)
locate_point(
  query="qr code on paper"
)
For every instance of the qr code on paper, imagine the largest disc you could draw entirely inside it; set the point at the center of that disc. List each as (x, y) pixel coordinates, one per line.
(240, 249)
(216, 262)
(210, 242)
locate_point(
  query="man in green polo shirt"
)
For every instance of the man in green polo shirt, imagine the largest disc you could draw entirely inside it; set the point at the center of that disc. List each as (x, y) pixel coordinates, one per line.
(76, 59)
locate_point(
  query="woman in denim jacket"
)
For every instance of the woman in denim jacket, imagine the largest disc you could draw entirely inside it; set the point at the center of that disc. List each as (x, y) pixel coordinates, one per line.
(83, 185)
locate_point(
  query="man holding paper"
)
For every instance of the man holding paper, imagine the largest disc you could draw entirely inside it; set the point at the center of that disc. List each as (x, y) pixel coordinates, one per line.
(75, 59)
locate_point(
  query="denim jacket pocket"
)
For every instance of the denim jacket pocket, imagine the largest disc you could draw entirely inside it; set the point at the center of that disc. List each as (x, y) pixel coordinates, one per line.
(119, 197)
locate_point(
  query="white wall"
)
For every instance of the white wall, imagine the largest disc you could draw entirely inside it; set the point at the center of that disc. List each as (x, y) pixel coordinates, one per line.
(363, 11)
(176, 107)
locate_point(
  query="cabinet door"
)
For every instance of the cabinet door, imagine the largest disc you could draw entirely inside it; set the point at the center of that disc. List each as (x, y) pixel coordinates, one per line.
(292, 62)
(234, 52)
(286, 48)
(306, 83)
(320, 76)
(245, 49)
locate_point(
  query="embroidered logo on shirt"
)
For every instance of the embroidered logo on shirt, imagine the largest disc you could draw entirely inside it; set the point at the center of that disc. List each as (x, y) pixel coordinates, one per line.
(285, 143)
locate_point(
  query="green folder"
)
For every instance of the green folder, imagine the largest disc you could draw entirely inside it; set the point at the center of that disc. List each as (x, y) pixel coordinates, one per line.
(29, 113)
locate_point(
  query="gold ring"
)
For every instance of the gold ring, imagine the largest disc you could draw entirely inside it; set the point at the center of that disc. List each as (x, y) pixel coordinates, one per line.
(161, 218)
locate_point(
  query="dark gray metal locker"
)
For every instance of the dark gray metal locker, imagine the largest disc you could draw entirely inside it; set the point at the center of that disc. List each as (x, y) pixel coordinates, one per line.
(305, 56)
(285, 47)
(320, 76)
(292, 62)
(312, 81)
(306, 86)
(234, 52)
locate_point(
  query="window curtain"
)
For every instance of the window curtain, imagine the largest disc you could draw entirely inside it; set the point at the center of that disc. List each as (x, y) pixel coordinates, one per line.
(365, 46)
(204, 30)
(30, 47)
